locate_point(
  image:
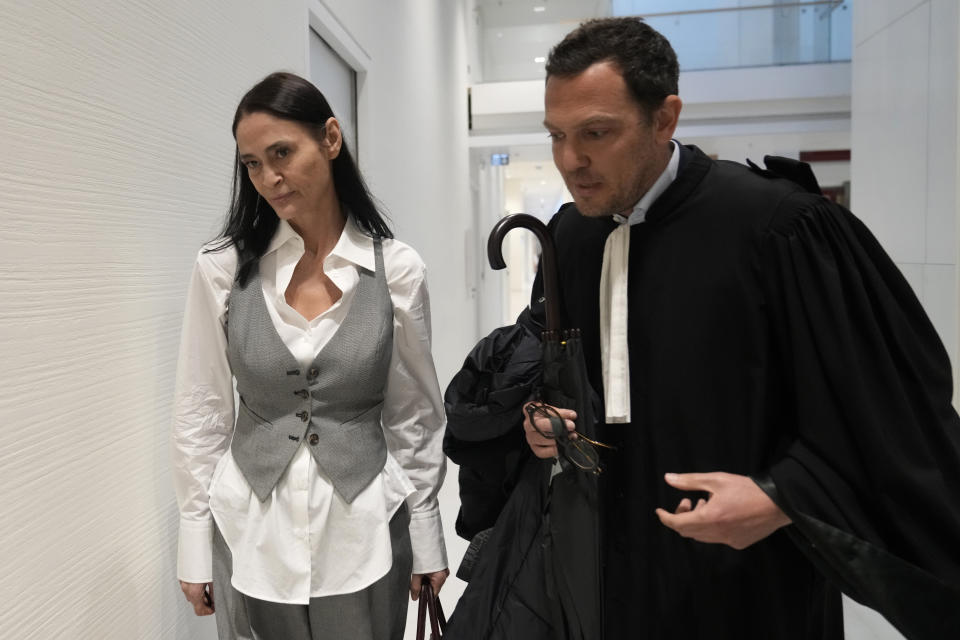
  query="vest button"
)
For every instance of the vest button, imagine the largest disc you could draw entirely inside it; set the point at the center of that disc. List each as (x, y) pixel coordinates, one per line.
(303, 393)
(313, 372)
(314, 438)
(303, 415)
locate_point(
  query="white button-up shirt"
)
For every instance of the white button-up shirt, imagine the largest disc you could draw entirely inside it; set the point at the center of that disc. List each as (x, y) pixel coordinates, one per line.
(304, 541)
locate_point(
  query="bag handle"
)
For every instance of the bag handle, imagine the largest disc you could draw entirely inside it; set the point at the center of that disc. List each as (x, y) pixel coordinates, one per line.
(430, 603)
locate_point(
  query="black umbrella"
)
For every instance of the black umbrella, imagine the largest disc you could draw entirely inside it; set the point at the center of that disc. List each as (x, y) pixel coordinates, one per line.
(572, 544)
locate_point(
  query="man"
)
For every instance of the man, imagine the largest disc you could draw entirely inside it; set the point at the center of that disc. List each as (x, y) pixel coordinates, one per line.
(778, 400)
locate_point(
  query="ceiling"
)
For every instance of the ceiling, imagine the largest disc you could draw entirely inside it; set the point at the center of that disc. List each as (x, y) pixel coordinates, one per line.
(518, 13)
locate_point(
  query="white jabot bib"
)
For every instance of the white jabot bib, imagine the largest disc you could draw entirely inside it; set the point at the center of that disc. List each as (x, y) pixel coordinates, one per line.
(614, 277)
(613, 323)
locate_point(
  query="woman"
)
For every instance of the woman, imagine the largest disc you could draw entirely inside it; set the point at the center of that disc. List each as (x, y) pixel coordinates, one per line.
(311, 513)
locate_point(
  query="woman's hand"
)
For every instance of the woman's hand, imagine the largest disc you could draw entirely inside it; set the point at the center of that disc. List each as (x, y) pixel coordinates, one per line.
(200, 595)
(437, 578)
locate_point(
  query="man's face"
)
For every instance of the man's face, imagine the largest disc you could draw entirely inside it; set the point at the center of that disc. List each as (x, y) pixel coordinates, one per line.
(604, 145)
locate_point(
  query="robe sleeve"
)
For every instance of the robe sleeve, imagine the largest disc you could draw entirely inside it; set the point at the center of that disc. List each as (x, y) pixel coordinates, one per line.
(872, 477)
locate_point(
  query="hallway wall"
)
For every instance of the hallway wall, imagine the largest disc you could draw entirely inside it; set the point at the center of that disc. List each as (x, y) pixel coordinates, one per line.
(115, 169)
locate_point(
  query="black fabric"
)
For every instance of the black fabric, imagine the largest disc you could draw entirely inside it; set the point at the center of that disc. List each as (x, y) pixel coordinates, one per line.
(536, 573)
(572, 541)
(507, 597)
(472, 554)
(872, 478)
(484, 419)
(769, 335)
(799, 172)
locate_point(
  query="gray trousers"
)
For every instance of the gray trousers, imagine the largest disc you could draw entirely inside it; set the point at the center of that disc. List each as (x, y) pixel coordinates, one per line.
(378, 612)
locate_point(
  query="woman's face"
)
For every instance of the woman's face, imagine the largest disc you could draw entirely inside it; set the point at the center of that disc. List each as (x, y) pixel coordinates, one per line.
(289, 168)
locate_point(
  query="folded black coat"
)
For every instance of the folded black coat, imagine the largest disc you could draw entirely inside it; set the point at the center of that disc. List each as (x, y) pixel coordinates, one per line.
(507, 597)
(484, 421)
(485, 438)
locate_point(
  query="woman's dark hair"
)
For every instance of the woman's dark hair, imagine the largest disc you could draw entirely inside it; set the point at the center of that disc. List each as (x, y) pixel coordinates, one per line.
(644, 57)
(251, 222)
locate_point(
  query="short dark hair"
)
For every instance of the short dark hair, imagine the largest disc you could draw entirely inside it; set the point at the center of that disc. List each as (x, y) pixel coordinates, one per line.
(251, 223)
(644, 57)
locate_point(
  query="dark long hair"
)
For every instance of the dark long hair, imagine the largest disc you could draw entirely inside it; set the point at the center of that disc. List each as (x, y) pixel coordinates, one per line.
(251, 222)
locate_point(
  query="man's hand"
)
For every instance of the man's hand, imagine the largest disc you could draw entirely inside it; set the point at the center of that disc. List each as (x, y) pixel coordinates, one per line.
(737, 513)
(437, 578)
(541, 446)
(200, 595)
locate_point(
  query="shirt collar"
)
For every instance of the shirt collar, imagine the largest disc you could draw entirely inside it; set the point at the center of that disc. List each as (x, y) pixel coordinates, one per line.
(282, 236)
(353, 246)
(639, 213)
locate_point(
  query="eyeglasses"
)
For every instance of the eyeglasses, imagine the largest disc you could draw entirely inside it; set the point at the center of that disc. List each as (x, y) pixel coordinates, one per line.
(580, 452)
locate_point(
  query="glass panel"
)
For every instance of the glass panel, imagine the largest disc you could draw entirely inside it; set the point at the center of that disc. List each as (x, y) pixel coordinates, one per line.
(706, 34)
(719, 34)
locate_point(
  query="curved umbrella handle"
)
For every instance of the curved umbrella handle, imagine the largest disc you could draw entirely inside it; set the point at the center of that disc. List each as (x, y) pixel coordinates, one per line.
(548, 259)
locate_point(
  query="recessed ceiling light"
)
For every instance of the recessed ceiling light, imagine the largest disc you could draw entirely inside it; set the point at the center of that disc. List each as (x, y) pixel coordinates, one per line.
(539, 59)
(539, 9)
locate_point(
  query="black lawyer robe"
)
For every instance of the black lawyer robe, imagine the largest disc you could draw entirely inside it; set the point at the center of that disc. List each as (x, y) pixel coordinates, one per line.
(770, 336)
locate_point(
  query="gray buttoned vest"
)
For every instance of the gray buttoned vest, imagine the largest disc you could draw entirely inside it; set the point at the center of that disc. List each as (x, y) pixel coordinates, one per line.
(333, 405)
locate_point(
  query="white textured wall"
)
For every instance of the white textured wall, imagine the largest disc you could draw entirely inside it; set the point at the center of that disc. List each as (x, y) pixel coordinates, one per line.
(904, 164)
(115, 162)
(114, 169)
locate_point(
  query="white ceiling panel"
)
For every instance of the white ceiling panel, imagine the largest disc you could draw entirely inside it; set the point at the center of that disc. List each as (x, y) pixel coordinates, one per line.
(514, 13)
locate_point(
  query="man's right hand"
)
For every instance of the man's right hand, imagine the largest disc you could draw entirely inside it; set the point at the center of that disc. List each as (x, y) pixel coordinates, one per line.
(541, 446)
(200, 595)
